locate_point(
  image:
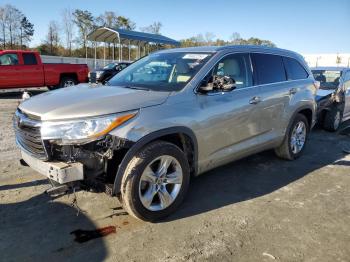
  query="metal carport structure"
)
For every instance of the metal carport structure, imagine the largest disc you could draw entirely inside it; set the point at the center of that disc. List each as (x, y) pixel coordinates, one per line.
(123, 37)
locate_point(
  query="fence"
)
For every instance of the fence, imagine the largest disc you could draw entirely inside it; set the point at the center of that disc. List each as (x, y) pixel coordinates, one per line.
(312, 59)
(76, 60)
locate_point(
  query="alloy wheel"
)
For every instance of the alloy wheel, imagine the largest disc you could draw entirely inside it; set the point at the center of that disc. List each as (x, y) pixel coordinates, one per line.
(336, 120)
(68, 83)
(160, 183)
(298, 137)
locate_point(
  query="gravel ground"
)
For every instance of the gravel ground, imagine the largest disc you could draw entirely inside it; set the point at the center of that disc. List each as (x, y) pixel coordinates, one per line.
(256, 209)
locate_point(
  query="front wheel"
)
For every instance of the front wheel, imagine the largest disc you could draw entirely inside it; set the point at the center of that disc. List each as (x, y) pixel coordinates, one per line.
(333, 119)
(295, 139)
(155, 181)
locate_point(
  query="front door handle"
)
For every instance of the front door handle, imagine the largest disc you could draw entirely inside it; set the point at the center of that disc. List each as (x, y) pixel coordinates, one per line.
(255, 100)
(293, 90)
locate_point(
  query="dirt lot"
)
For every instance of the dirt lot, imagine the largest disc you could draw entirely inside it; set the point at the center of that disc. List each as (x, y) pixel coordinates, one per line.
(257, 209)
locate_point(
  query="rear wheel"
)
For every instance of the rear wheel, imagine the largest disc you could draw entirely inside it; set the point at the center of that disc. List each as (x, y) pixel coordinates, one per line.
(155, 182)
(68, 81)
(295, 139)
(333, 119)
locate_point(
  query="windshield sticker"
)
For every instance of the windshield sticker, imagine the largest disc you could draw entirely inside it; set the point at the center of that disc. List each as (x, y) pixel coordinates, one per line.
(195, 56)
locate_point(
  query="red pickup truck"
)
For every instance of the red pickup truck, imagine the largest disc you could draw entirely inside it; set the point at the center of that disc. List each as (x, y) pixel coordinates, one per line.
(19, 69)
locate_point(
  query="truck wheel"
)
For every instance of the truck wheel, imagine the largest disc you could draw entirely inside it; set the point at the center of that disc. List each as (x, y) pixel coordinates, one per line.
(332, 119)
(295, 139)
(67, 81)
(155, 181)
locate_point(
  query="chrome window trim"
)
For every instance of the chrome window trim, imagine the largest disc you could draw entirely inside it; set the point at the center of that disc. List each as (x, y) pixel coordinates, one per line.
(195, 89)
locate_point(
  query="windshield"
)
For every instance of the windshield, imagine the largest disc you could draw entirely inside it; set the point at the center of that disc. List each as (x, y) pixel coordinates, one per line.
(329, 79)
(109, 66)
(161, 71)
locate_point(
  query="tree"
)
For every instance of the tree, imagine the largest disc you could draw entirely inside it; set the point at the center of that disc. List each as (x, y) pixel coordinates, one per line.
(236, 38)
(68, 28)
(153, 28)
(257, 41)
(52, 38)
(125, 23)
(12, 22)
(3, 19)
(27, 31)
(15, 27)
(209, 37)
(108, 19)
(111, 19)
(85, 23)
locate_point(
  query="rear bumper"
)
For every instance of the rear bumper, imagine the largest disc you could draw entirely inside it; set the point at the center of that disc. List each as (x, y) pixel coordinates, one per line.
(58, 171)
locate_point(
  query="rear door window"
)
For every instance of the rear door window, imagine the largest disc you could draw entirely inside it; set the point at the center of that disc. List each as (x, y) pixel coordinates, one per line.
(29, 59)
(294, 69)
(268, 68)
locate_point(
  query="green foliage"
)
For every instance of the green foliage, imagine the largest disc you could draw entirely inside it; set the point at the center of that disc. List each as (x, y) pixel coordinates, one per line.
(235, 39)
(84, 20)
(27, 29)
(15, 29)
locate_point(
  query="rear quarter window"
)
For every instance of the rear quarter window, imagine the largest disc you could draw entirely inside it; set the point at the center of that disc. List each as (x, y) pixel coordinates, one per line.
(294, 69)
(268, 68)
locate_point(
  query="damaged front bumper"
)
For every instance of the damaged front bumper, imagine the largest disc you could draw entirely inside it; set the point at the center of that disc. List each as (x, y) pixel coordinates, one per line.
(58, 171)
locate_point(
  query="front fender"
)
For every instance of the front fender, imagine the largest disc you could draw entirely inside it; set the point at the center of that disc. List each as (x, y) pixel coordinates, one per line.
(144, 141)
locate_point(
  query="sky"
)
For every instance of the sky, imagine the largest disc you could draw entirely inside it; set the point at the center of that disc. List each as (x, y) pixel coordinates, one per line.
(305, 26)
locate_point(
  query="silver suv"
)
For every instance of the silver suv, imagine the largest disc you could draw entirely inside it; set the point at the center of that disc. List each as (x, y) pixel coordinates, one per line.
(167, 117)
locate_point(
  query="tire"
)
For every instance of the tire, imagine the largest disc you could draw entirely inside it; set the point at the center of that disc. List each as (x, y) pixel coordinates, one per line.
(286, 151)
(332, 119)
(135, 188)
(67, 81)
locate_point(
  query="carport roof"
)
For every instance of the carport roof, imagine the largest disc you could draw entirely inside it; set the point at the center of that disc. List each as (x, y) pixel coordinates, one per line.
(111, 35)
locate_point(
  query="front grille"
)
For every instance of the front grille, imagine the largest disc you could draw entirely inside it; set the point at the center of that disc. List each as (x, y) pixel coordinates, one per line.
(93, 77)
(28, 135)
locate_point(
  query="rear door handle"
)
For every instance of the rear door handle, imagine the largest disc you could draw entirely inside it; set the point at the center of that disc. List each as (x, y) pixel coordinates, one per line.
(255, 100)
(293, 90)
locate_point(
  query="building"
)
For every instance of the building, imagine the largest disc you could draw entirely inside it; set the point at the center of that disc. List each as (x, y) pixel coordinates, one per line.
(334, 59)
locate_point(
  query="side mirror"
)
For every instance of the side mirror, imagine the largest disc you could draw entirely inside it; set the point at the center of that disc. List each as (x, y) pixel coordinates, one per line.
(206, 86)
(217, 83)
(224, 83)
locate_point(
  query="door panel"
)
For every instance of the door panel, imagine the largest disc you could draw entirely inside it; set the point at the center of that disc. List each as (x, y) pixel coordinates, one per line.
(32, 75)
(274, 100)
(31, 72)
(9, 76)
(9, 70)
(229, 123)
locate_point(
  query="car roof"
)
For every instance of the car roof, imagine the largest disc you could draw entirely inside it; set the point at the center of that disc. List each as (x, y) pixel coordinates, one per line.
(17, 51)
(235, 48)
(330, 68)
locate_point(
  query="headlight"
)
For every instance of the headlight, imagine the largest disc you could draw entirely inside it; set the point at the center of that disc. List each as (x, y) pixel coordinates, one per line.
(98, 74)
(83, 130)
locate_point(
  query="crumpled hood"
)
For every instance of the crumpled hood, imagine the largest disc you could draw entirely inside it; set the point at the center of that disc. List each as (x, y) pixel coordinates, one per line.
(86, 100)
(322, 93)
